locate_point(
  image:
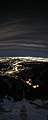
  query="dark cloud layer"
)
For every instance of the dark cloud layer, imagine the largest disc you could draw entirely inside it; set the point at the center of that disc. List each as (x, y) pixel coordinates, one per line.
(24, 32)
(23, 35)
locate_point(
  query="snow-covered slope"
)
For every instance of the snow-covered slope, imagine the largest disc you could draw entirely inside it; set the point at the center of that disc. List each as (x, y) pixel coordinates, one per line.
(23, 110)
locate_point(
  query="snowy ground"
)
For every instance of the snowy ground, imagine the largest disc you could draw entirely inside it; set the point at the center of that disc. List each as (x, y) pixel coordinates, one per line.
(23, 110)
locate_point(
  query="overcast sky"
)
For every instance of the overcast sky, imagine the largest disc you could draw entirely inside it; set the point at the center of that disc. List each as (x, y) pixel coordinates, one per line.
(24, 30)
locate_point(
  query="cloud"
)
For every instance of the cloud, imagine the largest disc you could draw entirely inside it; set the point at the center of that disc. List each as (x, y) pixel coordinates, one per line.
(23, 27)
(34, 45)
(21, 34)
(6, 45)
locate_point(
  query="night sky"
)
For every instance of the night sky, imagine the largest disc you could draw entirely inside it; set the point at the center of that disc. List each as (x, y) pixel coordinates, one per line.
(24, 28)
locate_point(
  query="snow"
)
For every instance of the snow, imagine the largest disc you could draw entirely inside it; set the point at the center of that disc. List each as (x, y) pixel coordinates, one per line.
(22, 110)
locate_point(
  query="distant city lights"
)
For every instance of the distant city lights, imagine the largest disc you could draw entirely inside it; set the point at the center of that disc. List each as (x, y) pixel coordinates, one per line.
(35, 86)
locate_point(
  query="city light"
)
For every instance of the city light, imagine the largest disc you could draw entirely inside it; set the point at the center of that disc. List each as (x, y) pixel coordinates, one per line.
(35, 86)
